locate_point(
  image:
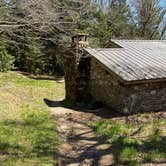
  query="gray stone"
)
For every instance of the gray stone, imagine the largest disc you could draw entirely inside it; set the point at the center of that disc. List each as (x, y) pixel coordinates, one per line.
(87, 80)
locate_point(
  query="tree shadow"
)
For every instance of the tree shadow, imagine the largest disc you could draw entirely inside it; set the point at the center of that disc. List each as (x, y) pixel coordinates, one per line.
(146, 147)
(89, 149)
(57, 78)
(39, 137)
(102, 112)
(115, 150)
(51, 103)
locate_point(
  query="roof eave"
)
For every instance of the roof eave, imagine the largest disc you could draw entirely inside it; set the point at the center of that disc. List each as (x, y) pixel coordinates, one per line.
(127, 82)
(149, 81)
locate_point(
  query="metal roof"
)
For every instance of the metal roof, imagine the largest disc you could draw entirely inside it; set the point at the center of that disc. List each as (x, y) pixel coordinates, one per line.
(137, 60)
(157, 45)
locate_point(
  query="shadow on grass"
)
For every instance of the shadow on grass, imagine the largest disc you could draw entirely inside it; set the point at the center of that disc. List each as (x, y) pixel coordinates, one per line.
(22, 124)
(88, 151)
(24, 140)
(132, 151)
(43, 77)
(127, 151)
(124, 150)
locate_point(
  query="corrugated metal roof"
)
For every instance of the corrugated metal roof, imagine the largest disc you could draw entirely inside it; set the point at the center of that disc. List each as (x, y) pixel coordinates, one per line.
(137, 60)
(157, 45)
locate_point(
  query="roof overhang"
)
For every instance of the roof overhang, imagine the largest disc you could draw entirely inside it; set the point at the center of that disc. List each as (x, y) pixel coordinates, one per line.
(120, 79)
(127, 83)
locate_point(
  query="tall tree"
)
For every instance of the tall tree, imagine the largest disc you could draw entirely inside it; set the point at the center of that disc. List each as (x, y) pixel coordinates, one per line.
(150, 19)
(47, 22)
(119, 16)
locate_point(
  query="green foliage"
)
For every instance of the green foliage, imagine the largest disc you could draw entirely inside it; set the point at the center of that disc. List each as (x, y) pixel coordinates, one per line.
(34, 118)
(128, 153)
(28, 133)
(111, 129)
(127, 148)
(39, 46)
(29, 137)
(119, 19)
(101, 32)
(34, 62)
(127, 141)
(6, 60)
(155, 135)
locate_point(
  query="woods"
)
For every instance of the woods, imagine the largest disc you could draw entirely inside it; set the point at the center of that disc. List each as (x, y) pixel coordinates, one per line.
(36, 33)
(64, 103)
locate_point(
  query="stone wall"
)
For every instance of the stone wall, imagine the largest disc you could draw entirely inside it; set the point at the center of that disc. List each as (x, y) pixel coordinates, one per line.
(83, 75)
(71, 76)
(86, 79)
(105, 87)
(77, 73)
(147, 98)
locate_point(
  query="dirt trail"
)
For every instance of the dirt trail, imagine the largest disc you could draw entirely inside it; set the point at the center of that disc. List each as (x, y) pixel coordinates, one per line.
(80, 146)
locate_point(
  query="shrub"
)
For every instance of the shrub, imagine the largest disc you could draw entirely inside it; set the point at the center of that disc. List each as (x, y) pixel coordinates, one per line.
(128, 154)
(110, 129)
(6, 60)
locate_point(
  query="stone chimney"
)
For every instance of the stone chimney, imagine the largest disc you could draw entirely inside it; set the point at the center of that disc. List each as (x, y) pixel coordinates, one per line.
(72, 67)
(80, 40)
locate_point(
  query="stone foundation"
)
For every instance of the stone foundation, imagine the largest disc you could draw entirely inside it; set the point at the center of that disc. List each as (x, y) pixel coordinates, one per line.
(146, 98)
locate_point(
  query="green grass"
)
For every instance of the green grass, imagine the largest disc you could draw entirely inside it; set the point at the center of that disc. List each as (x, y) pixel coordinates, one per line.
(134, 144)
(28, 133)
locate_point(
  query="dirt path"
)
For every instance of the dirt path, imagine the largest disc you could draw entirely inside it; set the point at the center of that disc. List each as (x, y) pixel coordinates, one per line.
(80, 146)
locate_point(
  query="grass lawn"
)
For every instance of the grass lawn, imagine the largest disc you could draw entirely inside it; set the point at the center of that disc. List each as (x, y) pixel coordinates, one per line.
(134, 144)
(28, 134)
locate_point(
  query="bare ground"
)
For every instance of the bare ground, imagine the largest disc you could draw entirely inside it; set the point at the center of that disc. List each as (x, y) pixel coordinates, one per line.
(80, 146)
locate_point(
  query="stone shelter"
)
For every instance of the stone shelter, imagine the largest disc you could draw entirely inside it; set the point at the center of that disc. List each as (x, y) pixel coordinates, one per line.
(128, 75)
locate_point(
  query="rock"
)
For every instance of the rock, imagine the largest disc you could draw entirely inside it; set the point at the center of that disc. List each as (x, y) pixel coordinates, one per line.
(106, 160)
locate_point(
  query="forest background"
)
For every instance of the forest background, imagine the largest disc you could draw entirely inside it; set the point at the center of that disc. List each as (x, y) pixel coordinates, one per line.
(34, 34)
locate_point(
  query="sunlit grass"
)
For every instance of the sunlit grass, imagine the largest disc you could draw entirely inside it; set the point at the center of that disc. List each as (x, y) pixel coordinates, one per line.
(28, 134)
(134, 144)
